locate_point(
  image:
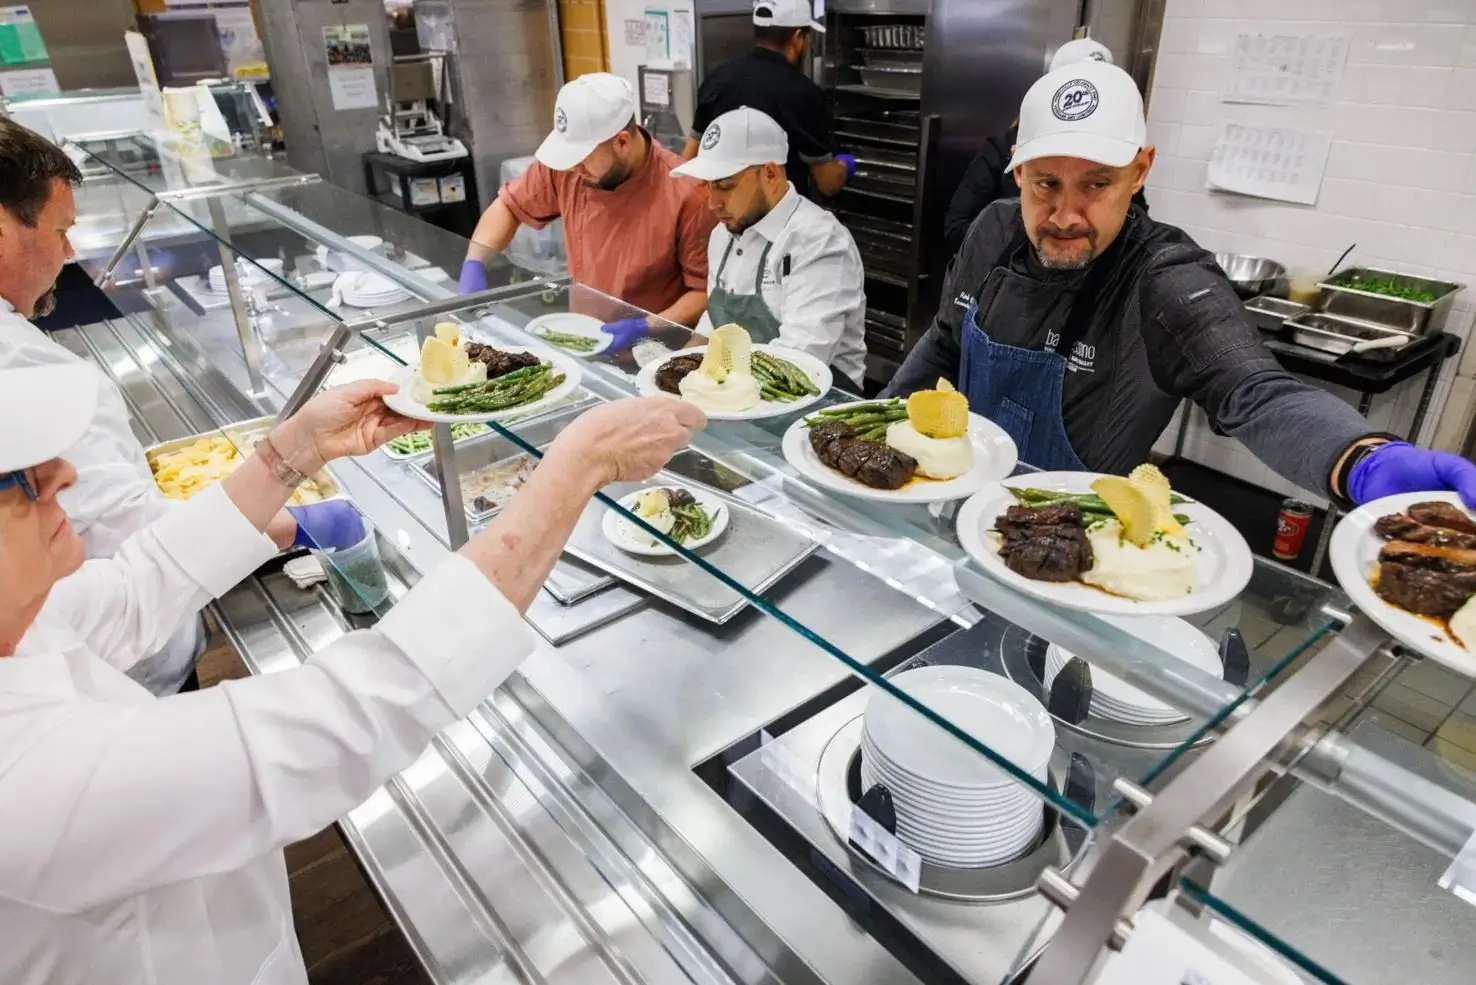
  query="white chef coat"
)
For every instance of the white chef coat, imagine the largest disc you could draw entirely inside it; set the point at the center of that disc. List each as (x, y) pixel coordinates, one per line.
(142, 837)
(115, 494)
(820, 301)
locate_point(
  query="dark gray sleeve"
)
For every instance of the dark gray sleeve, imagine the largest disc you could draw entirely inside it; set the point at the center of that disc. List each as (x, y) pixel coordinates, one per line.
(1298, 429)
(937, 353)
(1201, 345)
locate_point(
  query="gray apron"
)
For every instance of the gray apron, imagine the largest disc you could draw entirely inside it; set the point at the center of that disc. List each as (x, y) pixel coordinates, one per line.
(752, 312)
(748, 310)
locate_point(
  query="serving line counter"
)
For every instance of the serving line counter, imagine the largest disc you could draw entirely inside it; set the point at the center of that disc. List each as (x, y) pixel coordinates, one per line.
(668, 790)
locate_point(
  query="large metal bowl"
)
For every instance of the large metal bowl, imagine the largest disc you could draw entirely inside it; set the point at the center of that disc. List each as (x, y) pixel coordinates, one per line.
(1250, 275)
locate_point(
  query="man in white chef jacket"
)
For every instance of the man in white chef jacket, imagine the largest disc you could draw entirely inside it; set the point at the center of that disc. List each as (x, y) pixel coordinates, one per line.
(115, 494)
(778, 264)
(141, 837)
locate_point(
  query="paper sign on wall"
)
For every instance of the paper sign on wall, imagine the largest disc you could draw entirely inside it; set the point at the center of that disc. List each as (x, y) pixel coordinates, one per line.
(1270, 162)
(20, 38)
(635, 33)
(656, 89)
(1287, 68)
(682, 44)
(658, 36)
(29, 82)
(350, 66)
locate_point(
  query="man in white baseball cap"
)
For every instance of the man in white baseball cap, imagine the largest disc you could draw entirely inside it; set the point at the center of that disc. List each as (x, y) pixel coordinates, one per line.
(781, 266)
(143, 836)
(769, 77)
(630, 231)
(1078, 324)
(987, 179)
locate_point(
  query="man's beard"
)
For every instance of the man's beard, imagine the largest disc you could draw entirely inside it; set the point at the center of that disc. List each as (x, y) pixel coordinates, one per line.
(1075, 262)
(612, 179)
(46, 303)
(755, 213)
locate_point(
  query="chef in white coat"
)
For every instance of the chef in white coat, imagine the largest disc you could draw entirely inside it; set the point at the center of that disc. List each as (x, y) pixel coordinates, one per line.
(778, 264)
(114, 494)
(142, 836)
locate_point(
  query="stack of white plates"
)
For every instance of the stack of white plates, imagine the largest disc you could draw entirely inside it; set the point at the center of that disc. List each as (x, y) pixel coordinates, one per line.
(368, 290)
(954, 807)
(248, 274)
(334, 260)
(1116, 700)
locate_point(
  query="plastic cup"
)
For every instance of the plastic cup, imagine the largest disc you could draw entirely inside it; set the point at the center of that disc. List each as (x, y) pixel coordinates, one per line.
(355, 575)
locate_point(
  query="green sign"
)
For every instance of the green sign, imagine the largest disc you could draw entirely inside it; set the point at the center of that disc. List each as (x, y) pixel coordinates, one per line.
(20, 38)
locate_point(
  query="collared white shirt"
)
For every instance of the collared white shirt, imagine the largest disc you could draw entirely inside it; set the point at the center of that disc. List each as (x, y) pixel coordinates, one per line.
(115, 494)
(142, 837)
(812, 281)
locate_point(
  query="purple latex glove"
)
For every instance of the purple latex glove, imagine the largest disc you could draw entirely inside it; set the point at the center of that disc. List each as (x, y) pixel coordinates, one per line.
(1400, 467)
(473, 277)
(626, 332)
(849, 160)
(331, 525)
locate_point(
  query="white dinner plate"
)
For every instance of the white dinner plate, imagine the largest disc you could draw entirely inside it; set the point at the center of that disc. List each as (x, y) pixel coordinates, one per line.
(1222, 566)
(1354, 553)
(625, 535)
(995, 457)
(572, 323)
(1126, 702)
(402, 403)
(1000, 799)
(999, 713)
(818, 372)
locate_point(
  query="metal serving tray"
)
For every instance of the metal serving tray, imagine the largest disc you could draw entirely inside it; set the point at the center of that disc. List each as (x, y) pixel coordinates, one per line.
(1270, 314)
(1344, 336)
(1342, 298)
(325, 482)
(755, 551)
(908, 80)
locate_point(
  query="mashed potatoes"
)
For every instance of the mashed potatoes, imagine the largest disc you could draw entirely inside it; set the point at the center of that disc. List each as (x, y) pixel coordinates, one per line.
(1463, 624)
(937, 458)
(1162, 570)
(737, 391)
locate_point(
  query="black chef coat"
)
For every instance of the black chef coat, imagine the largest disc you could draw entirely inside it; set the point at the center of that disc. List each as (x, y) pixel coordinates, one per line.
(1169, 326)
(765, 80)
(987, 181)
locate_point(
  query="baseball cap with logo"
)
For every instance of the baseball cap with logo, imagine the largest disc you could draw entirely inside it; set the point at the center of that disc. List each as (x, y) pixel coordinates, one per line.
(786, 13)
(1081, 50)
(1091, 110)
(589, 111)
(736, 140)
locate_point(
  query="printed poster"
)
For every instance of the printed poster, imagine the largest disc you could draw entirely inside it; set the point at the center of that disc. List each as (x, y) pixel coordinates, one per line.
(20, 38)
(28, 82)
(350, 67)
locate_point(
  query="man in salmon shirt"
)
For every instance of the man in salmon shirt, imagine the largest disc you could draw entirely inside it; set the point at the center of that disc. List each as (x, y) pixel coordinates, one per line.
(631, 229)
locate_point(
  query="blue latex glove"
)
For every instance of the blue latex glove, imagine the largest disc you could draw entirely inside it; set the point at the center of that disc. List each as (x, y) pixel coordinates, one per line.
(331, 525)
(1400, 467)
(626, 332)
(473, 277)
(849, 160)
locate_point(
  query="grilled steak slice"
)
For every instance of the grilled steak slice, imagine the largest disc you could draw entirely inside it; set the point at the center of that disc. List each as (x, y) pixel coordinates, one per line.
(1433, 557)
(1422, 590)
(1045, 543)
(673, 371)
(679, 497)
(1401, 526)
(1445, 515)
(871, 463)
(499, 363)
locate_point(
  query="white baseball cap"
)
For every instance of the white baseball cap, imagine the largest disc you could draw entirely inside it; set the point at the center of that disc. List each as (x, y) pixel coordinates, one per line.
(1081, 50)
(55, 404)
(1091, 110)
(736, 140)
(589, 111)
(786, 13)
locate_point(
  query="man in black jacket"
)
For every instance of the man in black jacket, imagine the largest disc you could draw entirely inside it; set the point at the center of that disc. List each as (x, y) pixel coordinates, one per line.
(1077, 323)
(988, 179)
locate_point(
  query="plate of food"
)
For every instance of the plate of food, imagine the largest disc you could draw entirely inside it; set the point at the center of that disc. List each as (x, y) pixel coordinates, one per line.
(569, 330)
(691, 518)
(928, 448)
(732, 379)
(1409, 563)
(459, 381)
(1116, 545)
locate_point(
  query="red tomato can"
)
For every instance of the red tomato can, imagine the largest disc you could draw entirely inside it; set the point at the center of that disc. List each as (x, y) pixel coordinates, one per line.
(1291, 529)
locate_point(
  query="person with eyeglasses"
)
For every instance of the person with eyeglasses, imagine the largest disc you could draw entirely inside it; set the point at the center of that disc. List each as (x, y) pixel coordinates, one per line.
(114, 493)
(143, 836)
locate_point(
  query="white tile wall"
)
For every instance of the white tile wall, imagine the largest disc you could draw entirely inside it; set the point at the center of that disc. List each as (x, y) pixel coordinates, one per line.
(1400, 181)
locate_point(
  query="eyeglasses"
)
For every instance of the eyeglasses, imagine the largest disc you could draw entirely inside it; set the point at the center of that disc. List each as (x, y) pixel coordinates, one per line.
(26, 482)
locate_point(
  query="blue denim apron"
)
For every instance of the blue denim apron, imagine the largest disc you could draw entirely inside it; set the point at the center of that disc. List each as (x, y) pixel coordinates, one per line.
(1020, 389)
